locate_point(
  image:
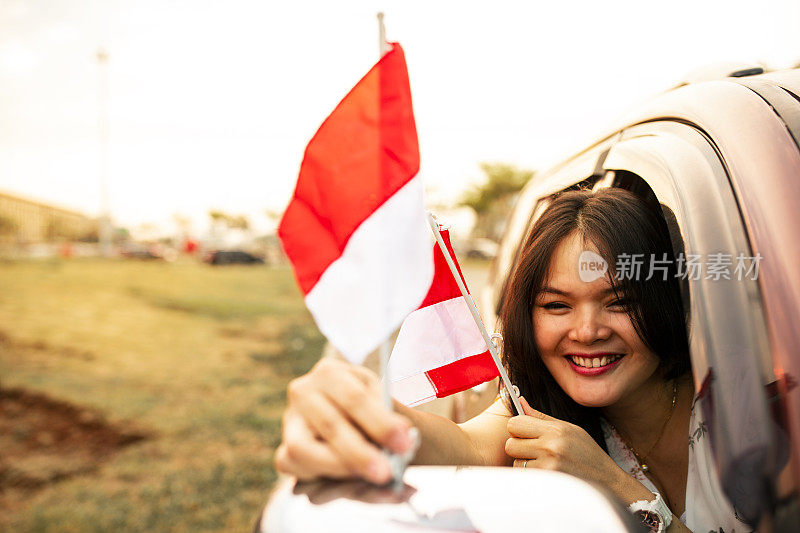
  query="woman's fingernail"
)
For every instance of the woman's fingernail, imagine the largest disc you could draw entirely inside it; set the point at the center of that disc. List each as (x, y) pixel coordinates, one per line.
(378, 470)
(399, 440)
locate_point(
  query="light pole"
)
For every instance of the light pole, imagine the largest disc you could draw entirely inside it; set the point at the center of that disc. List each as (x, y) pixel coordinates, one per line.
(102, 128)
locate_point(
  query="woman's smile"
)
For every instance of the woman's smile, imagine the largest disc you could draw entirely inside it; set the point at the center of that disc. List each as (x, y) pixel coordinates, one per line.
(594, 364)
(585, 336)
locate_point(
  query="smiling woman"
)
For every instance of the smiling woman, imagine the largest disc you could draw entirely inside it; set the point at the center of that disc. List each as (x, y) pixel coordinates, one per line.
(601, 361)
(627, 316)
(610, 346)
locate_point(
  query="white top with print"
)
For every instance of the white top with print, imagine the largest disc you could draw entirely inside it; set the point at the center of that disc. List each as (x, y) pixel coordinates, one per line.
(707, 508)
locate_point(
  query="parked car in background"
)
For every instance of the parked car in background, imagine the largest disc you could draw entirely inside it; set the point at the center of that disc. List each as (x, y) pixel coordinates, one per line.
(135, 250)
(723, 156)
(482, 248)
(232, 257)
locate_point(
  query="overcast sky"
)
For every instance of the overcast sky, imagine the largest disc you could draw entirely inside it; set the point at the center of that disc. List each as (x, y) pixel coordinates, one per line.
(212, 103)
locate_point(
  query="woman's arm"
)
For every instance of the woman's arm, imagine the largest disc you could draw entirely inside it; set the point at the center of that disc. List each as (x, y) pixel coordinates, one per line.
(629, 490)
(335, 426)
(479, 441)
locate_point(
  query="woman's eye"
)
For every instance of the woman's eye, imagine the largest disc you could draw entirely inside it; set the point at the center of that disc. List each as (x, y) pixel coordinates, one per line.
(555, 305)
(619, 302)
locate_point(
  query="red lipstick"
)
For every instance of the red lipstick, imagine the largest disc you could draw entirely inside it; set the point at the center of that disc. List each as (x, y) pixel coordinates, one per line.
(594, 371)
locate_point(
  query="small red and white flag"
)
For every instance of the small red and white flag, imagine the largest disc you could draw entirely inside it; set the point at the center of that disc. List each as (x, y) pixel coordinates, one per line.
(439, 350)
(355, 229)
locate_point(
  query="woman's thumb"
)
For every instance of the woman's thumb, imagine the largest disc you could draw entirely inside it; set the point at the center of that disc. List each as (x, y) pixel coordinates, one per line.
(530, 411)
(526, 408)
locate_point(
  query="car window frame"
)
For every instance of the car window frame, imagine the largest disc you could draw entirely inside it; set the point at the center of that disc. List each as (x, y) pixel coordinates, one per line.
(697, 189)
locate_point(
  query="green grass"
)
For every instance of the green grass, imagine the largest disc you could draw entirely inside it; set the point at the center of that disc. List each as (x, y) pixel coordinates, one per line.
(197, 356)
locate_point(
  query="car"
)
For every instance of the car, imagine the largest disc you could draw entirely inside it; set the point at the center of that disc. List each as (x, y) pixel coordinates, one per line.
(723, 155)
(436, 498)
(140, 251)
(482, 248)
(231, 257)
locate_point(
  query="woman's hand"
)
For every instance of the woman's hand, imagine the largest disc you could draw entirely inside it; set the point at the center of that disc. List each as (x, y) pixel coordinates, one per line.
(335, 424)
(541, 441)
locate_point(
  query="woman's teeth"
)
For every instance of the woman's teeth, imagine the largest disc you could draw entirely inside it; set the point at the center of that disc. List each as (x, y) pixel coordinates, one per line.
(595, 362)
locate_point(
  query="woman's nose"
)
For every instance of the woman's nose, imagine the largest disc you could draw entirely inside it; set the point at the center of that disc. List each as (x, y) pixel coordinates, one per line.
(588, 327)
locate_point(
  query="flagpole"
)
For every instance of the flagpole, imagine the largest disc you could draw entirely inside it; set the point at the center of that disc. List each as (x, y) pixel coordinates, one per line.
(397, 462)
(384, 349)
(383, 46)
(475, 315)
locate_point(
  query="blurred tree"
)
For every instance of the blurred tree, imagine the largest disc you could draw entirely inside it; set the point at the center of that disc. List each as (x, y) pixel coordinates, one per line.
(120, 235)
(238, 222)
(217, 216)
(272, 214)
(147, 231)
(222, 222)
(274, 218)
(493, 199)
(230, 221)
(184, 224)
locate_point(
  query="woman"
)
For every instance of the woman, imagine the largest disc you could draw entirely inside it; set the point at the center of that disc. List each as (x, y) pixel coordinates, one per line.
(601, 361)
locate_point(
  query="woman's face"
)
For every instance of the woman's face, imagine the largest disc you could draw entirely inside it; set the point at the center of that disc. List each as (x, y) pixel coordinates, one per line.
(585, 336)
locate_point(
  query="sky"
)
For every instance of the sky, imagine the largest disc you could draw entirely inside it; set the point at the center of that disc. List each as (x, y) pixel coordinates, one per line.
(211, 103)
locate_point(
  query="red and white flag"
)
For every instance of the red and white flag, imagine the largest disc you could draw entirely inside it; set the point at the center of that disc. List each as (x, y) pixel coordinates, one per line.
(355, 229)
(439, 350)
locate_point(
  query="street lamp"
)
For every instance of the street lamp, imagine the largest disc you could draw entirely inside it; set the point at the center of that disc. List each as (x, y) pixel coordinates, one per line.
(102, 126)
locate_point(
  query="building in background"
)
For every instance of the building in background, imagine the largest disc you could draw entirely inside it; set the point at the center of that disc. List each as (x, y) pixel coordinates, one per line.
(24, 221)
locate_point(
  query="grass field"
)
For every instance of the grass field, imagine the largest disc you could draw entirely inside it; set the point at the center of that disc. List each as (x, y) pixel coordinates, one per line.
(193, 357)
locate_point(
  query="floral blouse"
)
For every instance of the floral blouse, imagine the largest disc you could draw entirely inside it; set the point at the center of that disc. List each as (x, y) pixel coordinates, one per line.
(707, 509)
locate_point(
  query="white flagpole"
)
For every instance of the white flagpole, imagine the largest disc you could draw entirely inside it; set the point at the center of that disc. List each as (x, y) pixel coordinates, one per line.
(385, 349)
(398, 463)
(475, 315)
(383, 46)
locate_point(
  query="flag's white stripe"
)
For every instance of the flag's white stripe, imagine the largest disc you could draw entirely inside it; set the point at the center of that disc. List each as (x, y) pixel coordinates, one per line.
(435, 336)
(385, 270)
(413, 390)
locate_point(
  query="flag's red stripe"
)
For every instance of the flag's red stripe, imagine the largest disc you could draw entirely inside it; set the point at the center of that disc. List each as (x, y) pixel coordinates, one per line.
(363, 153)
(444, 286)
(463, 374)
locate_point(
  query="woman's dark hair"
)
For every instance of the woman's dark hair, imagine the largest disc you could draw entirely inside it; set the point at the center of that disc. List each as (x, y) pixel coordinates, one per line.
(616, 222)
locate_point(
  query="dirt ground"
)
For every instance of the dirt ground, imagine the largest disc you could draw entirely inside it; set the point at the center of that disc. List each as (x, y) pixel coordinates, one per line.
(46, 440)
